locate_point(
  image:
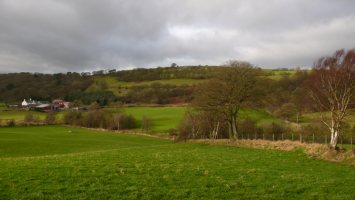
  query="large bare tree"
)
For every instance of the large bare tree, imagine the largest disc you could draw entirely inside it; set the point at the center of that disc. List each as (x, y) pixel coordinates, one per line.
(227, 93)
(333, 87)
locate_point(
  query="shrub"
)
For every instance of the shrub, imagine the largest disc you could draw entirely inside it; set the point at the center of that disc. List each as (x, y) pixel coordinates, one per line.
(146, 123)
(128, 122)
(73, 118)
(50, 118)
(11, 123)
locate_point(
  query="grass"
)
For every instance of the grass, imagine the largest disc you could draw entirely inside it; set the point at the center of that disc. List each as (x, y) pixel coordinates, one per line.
(51, 163)
(20, 115)
(163, 118)
(2, 106)
(277, 74)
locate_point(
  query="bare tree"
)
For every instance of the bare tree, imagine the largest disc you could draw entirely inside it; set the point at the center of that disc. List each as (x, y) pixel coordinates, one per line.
(332, 86)
(227, 93)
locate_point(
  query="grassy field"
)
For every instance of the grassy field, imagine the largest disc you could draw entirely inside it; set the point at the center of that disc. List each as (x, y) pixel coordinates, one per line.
(69, 163)
(163, 118)
(277, 74)
(19, 116)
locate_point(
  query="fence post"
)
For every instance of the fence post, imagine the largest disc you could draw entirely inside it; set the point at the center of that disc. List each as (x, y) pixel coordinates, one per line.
(292, 136)
(263, 136)
(301, 137)
(326, 140)
(313, 138)
(273, 136)
(341, 140)
(282, 136)
(255, 135)
(351, 141)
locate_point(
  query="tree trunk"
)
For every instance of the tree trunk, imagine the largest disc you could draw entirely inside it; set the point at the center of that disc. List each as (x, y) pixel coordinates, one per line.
(334, 137)
(234, 127)
(230, 130)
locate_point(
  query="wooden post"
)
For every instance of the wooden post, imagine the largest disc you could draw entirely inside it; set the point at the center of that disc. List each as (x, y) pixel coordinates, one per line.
(351, 141)
(263, 136)
(341, 140)
(301, 137)
(273, 136)
(292, 136)
(255, 135)
(326, 140)
(313, 138)
(282, 136)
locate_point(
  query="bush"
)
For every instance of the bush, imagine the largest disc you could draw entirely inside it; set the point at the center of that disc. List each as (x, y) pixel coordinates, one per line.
(202, 125)
(146, 123)
(30, 119)
(11, 123)
(128, 122)
(100, 119)
(73, 118)
(50, 118)
(247, 128)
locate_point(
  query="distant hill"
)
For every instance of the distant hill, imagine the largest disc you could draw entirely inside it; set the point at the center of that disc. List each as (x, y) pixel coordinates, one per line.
(162, 85)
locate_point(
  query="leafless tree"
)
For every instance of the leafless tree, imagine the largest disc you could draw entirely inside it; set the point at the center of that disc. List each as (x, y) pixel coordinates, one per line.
(332, 85)
(227, 93)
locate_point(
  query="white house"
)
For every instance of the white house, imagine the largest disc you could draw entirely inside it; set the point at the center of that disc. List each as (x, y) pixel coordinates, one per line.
(24, 103)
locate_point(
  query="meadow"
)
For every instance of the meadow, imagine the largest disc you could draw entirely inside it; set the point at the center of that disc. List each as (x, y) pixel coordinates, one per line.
(165, 118)
(56, 162)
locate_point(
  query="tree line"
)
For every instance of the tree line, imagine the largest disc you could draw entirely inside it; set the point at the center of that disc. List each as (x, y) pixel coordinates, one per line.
(329, 87)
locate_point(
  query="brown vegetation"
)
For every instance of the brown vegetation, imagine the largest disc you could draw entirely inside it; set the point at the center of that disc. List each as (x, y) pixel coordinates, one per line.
(318, 151)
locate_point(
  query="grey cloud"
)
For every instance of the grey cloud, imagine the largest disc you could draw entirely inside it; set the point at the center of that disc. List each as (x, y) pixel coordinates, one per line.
(79, 35)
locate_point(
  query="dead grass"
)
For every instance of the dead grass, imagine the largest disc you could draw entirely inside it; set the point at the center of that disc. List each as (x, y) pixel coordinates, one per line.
(318, 151)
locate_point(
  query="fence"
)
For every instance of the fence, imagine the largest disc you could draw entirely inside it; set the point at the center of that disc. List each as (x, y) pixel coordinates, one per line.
(345, 141)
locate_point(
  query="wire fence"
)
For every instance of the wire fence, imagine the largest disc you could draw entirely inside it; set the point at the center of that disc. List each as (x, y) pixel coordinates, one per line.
(344, 141)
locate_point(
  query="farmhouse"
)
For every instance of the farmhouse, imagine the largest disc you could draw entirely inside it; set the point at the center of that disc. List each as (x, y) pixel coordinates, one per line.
(44, 106)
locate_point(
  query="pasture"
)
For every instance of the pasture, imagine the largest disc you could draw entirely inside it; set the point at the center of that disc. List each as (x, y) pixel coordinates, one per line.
(61, 162)
(163, 118)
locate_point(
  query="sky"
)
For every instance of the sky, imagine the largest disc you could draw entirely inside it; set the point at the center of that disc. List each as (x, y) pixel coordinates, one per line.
(51, 36)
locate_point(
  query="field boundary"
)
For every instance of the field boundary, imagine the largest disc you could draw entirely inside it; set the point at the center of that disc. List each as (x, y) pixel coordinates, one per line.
(318, 151)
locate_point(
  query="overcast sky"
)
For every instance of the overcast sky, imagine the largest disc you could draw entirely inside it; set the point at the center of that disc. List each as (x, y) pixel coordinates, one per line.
(79, 35)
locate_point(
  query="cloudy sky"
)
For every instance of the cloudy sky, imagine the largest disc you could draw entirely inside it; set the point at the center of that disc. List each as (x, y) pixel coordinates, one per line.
(79, 35)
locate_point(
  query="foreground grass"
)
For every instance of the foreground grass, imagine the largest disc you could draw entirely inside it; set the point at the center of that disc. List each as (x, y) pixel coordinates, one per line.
(102, 165)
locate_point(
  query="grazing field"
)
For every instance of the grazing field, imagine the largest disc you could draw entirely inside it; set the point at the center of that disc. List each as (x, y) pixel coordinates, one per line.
(20, 115)
(163, 118)
(59, 162)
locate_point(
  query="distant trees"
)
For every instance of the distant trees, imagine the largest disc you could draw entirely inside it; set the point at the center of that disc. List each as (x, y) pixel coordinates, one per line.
(100, 119)
(227, 93)
(17, 86)
(332, 86)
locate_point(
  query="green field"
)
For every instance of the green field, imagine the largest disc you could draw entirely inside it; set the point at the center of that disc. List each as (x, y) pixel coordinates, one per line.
(163, 118)
(69, 163)
(19, 116)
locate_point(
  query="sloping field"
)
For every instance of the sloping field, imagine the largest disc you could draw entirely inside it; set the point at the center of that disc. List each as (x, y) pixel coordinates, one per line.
(66, 163)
